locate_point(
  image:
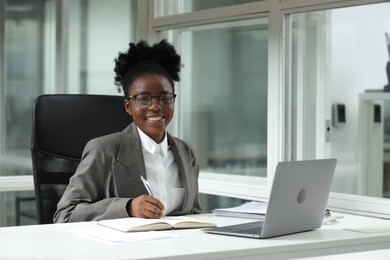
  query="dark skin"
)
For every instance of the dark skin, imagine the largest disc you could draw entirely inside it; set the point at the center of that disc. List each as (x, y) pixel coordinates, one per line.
(153, 122)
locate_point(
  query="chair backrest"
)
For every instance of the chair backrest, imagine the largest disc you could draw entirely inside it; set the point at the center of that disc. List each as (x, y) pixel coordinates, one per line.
(61, 127)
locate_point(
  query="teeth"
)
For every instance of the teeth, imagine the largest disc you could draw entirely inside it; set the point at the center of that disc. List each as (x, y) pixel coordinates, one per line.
(155, 118)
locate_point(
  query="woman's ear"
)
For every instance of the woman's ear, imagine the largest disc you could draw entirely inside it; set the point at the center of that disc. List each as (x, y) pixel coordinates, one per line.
(127, 106)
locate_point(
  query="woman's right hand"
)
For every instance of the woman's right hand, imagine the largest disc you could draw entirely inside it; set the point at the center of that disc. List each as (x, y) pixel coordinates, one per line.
(145, 206)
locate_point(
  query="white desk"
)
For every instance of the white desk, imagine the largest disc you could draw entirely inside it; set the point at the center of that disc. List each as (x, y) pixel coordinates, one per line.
(55, 242)
(372, 255)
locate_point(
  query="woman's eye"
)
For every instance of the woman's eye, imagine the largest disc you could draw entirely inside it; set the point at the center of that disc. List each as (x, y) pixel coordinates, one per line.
(143, 99)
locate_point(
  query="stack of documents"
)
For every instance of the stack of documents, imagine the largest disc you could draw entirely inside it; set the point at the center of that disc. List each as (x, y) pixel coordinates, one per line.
(253, 209)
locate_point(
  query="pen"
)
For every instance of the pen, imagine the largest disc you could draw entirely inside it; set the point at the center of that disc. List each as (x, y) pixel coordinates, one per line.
(147, 185)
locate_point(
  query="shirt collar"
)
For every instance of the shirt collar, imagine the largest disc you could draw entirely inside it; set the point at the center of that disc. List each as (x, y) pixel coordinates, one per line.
(151, 146)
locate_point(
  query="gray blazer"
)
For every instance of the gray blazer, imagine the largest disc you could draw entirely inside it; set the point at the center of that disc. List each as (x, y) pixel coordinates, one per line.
(109, 176)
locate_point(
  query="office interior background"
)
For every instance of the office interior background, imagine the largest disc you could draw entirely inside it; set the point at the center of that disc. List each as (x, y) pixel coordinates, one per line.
(262, 82)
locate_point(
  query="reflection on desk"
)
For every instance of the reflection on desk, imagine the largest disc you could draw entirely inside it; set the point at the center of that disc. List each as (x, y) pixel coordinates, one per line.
(56, 242)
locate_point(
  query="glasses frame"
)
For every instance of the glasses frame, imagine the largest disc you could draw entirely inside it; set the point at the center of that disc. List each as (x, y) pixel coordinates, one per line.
(158, 98)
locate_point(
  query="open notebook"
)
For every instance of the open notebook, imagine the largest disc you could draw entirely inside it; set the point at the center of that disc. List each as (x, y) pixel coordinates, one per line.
(297, 201)
(143, 224)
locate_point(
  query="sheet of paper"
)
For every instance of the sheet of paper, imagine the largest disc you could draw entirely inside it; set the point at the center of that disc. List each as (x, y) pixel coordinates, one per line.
(252, 210)
(369, 229)
(113, 236)
(252, 207)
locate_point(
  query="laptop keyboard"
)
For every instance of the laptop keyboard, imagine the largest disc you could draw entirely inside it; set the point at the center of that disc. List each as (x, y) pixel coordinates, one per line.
(246, 228)
(251, 228)
(255, 230)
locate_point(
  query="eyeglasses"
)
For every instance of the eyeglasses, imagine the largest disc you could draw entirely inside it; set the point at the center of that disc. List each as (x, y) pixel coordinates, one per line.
(143, 101)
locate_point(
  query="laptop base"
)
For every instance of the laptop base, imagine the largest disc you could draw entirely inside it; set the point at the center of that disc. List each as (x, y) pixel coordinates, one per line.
(251, 230)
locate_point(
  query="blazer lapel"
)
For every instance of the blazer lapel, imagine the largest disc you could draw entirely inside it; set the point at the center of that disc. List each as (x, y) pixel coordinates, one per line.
(183, 161)
(129, 164)
(130, 149)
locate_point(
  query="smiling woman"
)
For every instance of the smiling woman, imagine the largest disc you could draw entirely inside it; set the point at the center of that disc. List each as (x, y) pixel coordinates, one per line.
(108, 183)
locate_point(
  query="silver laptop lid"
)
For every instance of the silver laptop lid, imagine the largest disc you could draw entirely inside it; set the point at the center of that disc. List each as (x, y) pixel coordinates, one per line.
(299, 195)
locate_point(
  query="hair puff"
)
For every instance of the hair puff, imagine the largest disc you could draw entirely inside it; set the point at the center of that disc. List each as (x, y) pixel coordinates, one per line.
(141, 58)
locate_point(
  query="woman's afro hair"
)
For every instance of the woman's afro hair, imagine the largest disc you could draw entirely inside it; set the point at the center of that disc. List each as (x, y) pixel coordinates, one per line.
(141, 58)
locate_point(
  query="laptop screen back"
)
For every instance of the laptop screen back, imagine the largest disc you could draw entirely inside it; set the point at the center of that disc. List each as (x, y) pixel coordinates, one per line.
(298, 196)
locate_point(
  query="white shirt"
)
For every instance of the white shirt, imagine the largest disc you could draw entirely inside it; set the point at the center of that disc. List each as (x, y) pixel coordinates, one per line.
(162, 172)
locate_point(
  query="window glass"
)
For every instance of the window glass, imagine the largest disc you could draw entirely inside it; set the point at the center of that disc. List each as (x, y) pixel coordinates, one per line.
(211, 202)
(91, 36)
(172, 7)
(25, 38)
(339, 101)
(17, 208)
(98, 30)
(28, 28)
(223, 94)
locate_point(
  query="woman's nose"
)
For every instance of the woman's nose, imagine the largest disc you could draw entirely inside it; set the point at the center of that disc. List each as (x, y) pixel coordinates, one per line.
(155, 102)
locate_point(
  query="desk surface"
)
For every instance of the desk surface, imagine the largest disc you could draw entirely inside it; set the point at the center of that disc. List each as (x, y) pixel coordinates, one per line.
(55, 242)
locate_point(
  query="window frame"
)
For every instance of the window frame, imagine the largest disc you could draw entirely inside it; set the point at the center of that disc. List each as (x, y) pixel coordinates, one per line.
(227, 185)
(257, 188)
(342, 202)
(251, 188)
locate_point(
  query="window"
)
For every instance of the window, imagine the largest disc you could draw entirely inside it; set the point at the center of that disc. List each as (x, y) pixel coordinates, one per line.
(223, 95)
(222, 107)
(263, 81)
(48, 48)
(172, 7)
(28, 29)
(338, 107)
(308, 80)
(97, 30)
(26, 34)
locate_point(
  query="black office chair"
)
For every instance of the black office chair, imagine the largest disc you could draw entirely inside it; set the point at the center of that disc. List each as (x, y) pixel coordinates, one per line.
(61, 127)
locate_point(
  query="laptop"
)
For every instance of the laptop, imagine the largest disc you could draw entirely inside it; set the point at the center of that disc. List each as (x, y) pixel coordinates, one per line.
(297, 201)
